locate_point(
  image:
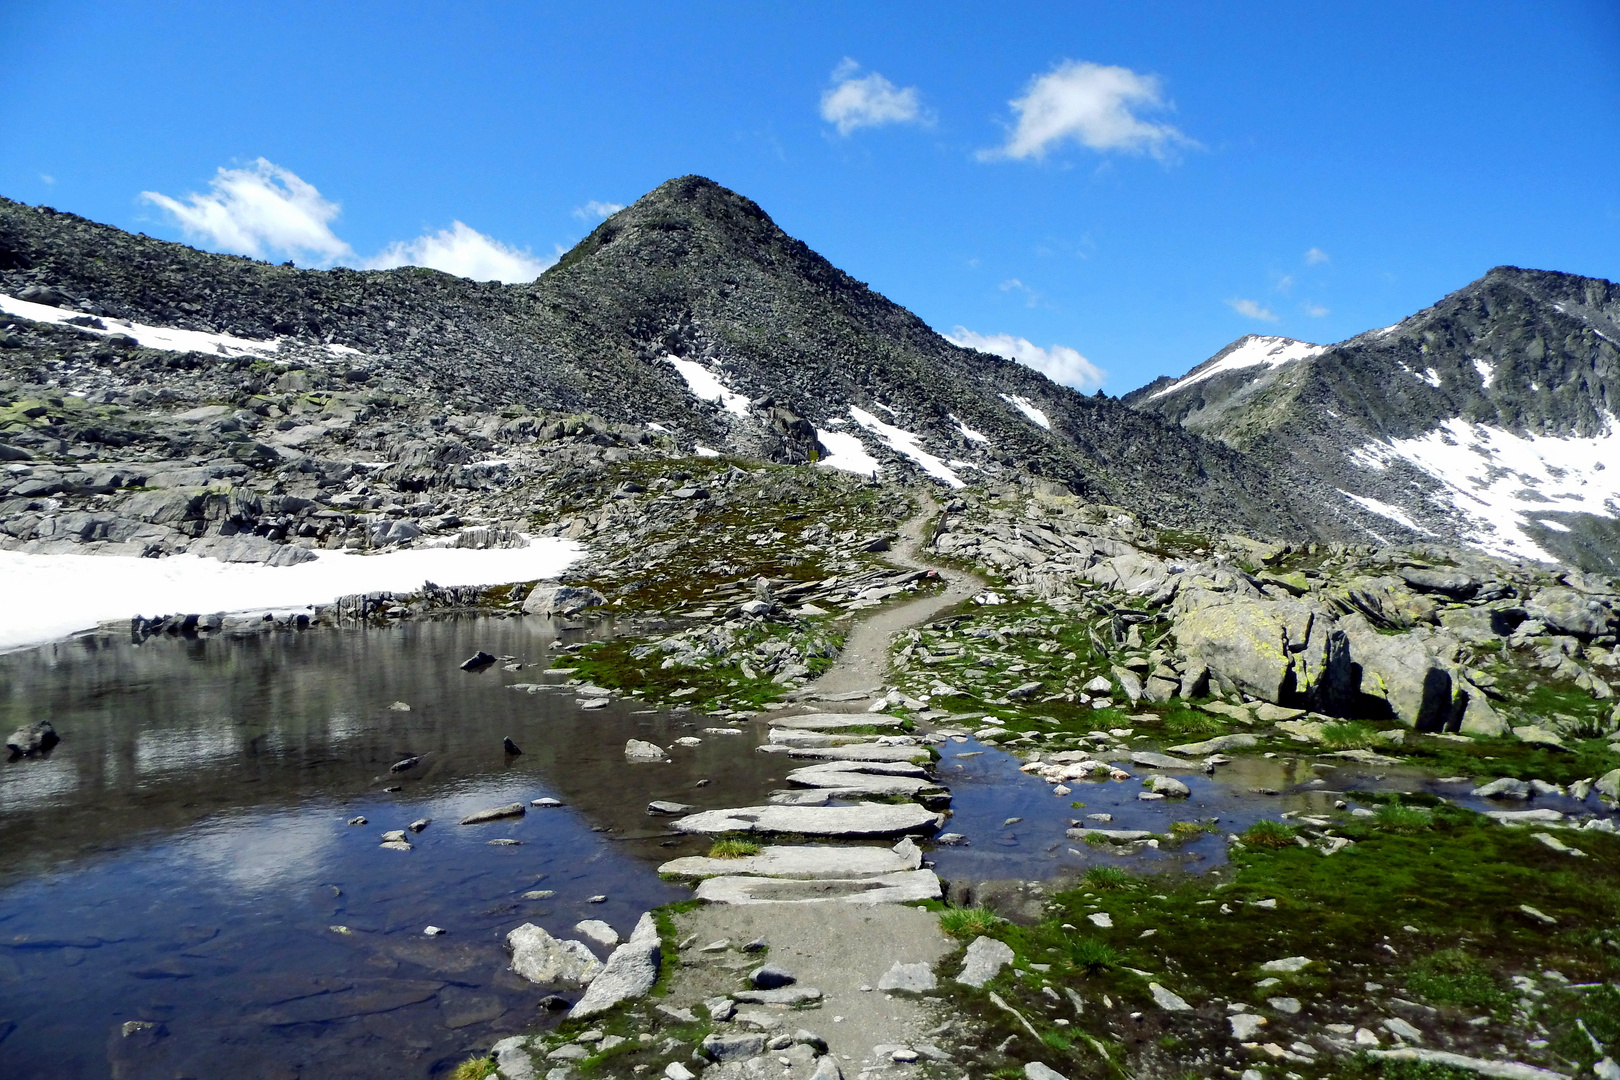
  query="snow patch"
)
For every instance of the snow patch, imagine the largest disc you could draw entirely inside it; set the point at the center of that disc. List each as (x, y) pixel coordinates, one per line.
(968, 433)
(1027, 407)
(660, 428)
(703, 451)
(155, 337)
(1384, 510)
(906, 444)
(1555, 526)
(1487, 372)
(845, 451)
(1499, 481)
(49, 596)
(1254, 351)
(1431, 376)
(706, 386)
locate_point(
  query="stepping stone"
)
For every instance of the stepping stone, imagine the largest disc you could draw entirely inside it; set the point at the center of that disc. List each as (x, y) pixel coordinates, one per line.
(864, 783)
(870, 752)
(863, 819)
(882, 768)
(1113, 836)
(835, 721)
(786, 995)
(1216, 745)
(802, 861)
(906, 887)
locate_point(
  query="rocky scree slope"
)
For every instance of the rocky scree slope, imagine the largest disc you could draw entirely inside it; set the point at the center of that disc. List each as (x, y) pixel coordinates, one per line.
(1487, 419)
(690, 272)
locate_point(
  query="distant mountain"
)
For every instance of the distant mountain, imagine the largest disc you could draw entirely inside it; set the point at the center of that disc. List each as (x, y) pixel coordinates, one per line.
(689, 313)
(1487, 419)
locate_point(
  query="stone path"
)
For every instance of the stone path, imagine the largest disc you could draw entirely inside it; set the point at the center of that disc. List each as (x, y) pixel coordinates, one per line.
(834, 915)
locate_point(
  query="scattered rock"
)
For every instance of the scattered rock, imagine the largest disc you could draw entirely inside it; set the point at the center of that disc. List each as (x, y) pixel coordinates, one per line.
(909, 978)
(1035, 1070)
(1245, 1026)
(510, 747)
(498, 813)
(32, 739)
(1287, 965)
(629, 973)
(770, 977)
(984, 960)
(725, 1048)
(1167, 1000)
(637, 750)
(477, 661)
(663, 807)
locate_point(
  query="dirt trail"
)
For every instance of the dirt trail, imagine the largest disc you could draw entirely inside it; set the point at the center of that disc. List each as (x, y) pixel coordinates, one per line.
(864, 662)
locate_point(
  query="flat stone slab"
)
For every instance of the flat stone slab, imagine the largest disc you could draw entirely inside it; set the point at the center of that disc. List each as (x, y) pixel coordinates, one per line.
(801, 861)
(877, 768)
(498, 813)
(827, 721)
(1217, 745)
(863, 783)
(792, 737)
(859, 753)
(863, 819)
(1152, 760)
(906, 887)
(782, 995)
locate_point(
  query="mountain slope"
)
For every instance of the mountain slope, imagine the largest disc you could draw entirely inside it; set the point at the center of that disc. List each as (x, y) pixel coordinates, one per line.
(800, 358)
(1487, 418)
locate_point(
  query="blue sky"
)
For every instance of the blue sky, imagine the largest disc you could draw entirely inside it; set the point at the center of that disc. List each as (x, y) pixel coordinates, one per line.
(1124, 192)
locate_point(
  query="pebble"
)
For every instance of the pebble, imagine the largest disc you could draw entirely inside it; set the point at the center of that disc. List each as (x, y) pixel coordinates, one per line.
(358, 821)
(433, 931)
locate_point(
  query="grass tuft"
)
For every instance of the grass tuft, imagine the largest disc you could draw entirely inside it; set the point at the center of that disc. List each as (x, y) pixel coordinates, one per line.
(967, 922)
(1186, 830)
(1349, 736)
(1108, 878)
(1092, 955)
(1269, 834)
(475, 1068)
(731, 847)
(1404, 819)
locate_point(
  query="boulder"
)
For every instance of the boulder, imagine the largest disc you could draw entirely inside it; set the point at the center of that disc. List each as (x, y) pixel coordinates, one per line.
(1407, 677)
(1218, 745)
(637, 750)
(35, 738)
(1281, 651)
(724, 1048)
(629, 973)
(561, 600)
(1169, 787)
(1565, 611)
(541, 958)
(908, 978)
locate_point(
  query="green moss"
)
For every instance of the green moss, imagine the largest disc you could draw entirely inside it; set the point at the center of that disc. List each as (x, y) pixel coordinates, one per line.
(1456, 977)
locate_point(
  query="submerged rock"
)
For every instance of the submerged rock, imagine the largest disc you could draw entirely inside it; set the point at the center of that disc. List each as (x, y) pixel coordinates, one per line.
(31, 739)
(510, 810)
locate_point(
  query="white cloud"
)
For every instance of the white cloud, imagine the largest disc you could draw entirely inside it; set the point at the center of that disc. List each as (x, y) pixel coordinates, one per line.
(594, 209)
(1252, 310)
(1060, 363)
(1315, 257)
(1285, 283)
(265, 209)
(259, 210)
(1314, 310)
(867, 101)
(465, 252)
(47, 178)
(1093, 105)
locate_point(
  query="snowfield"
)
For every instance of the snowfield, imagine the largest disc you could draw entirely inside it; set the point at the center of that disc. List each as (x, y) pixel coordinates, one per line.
(706, 386)
(1500, 482)
(49, 596)
(156, 337)
(1270, 351)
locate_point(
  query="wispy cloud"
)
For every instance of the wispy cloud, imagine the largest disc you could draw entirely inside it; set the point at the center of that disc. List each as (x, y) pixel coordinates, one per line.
(260, 210)
(1285, 284)
(594, 209)
(263, 210)
(1315, 257)
(1314, 310)
(1094, 105)
(857, 101)
(1059, 363)
(465, 252)
(47, 178)
(1252, 310)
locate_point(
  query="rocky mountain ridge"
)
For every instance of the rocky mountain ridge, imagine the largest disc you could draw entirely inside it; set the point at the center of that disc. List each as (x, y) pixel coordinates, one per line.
(1486, 419)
